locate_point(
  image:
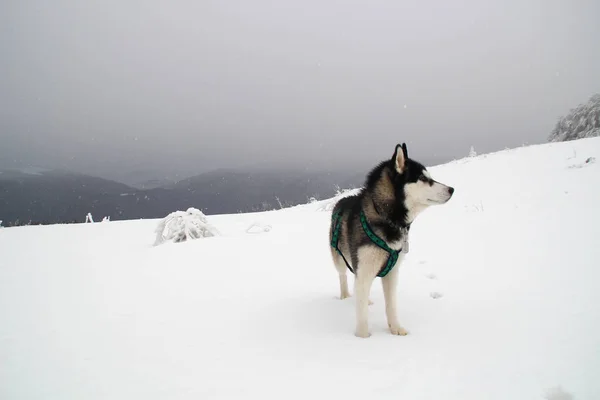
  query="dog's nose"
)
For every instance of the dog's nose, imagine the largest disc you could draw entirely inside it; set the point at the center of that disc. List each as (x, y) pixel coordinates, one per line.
(451, 190)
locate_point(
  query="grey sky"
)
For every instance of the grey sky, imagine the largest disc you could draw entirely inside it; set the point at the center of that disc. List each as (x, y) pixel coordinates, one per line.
(102, 86)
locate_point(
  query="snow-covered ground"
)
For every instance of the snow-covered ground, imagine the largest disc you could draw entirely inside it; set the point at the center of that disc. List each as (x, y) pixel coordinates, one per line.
(500, 293)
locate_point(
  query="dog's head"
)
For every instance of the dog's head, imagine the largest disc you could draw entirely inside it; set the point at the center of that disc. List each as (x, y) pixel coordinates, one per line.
(414, 182)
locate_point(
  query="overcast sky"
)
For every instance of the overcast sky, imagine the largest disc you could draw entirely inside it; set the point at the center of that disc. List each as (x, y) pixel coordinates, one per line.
(113, 86)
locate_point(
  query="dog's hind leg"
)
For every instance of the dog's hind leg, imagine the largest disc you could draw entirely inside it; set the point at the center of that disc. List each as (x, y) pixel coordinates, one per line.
(389, 283)
(342, 270)
(344, 292)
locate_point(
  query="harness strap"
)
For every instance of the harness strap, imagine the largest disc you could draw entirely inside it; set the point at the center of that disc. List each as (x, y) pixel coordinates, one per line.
(393, 254)
(335, 237)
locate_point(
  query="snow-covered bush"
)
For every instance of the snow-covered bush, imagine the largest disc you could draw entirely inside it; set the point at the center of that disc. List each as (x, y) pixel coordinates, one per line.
(472, 152)
(180, 226)
(328, 205)
(106, 219)
(582, 122)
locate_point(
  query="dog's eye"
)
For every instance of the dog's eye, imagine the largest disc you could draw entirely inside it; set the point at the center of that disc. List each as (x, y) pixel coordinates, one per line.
(423, 178)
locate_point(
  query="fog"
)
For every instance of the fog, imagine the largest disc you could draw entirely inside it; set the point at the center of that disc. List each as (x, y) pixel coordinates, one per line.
(181, 87)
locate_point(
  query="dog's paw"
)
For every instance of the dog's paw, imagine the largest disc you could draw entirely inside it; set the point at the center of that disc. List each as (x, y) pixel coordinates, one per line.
(362, 332)
(398, 330)
(345, 296)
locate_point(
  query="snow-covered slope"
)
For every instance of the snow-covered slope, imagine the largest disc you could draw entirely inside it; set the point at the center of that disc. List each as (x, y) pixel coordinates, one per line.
(500, 292)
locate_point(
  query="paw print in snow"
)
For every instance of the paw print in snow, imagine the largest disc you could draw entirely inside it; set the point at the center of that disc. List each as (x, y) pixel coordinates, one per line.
(258, 228)
(557, 393)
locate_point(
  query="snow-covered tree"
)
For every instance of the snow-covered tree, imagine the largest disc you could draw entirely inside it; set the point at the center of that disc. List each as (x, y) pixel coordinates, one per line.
(88, 218)
(581, 122)
(472, 152)
(279, 202)
(180, 226)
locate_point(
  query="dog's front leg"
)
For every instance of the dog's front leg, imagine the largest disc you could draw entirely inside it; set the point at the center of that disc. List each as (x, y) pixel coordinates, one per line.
(362, 288)
(366, 273)
(389, 283)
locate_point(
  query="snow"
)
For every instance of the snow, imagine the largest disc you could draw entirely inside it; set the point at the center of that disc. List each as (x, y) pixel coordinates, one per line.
(31, 170)
(500, 293)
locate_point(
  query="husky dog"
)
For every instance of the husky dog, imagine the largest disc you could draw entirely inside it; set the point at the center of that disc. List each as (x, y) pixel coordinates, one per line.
(369, 231)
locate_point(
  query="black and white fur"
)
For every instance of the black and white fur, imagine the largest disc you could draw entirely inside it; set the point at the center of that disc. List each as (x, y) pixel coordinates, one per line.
(395, 192)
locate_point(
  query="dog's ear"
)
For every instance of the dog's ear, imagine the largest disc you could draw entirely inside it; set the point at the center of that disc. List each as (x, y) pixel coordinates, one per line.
(405, 150)
(399, 159)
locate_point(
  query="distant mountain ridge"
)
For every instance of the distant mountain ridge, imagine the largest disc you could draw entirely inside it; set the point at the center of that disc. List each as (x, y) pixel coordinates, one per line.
(51, 196)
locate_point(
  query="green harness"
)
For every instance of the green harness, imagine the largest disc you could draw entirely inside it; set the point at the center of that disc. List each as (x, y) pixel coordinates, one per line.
(335, 237)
